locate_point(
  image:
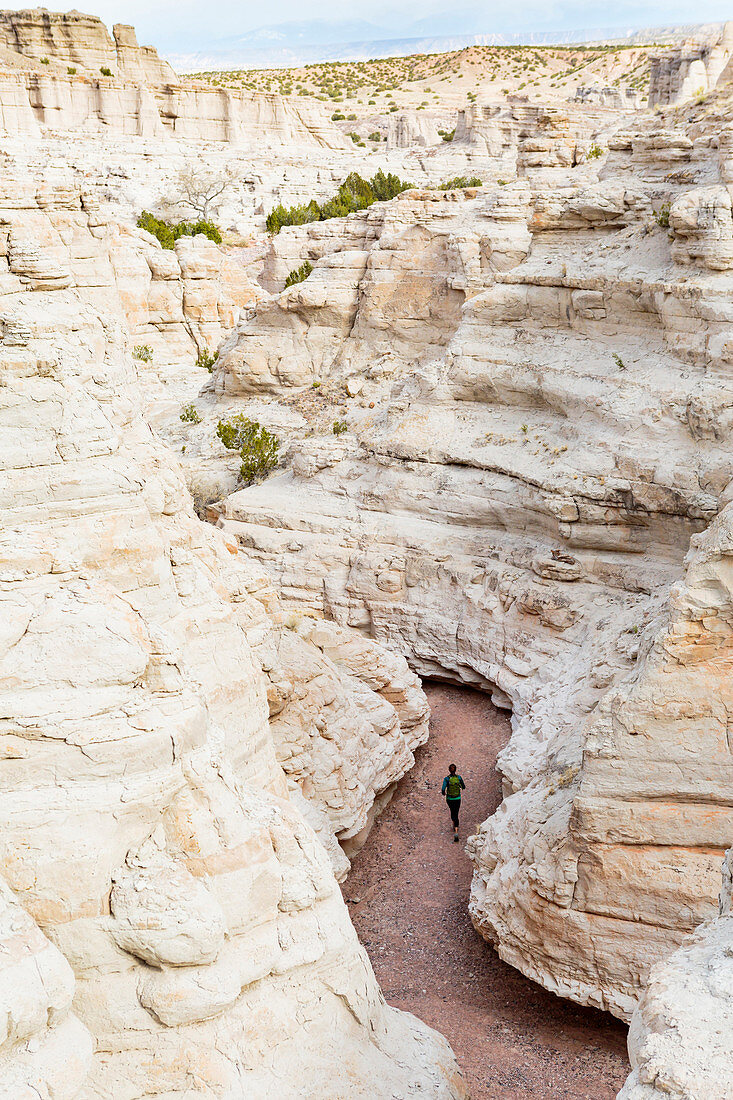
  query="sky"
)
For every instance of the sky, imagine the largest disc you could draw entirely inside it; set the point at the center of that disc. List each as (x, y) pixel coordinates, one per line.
(191, 25)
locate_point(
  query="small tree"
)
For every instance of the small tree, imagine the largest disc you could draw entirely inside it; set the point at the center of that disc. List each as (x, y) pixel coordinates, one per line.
(203, 189)
(190, 415)
(206, 360)
(299, 274)
(257, 447)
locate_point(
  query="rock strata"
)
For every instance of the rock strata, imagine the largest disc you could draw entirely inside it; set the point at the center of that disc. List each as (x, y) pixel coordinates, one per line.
(534, 383)
(678, 1040)
(153, 867)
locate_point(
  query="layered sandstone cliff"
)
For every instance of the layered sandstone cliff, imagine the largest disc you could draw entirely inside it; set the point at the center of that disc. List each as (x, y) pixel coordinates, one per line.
(679, 1036)
(154, 871)
(78, 40)
(534, 382)
(691, 70)
(63, 72)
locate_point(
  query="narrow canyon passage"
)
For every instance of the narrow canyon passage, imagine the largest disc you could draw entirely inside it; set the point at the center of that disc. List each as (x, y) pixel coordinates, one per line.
(407, 895)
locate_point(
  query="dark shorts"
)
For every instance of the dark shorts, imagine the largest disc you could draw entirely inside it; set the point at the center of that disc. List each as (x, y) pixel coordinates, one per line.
(454, 805)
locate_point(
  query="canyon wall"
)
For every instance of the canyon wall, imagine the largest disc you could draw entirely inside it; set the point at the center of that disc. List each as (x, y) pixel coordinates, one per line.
(81, 41)
(534, 382)
(34, 103)
(170, 923)
(678, 1039)
(53, 82)
(691, 70)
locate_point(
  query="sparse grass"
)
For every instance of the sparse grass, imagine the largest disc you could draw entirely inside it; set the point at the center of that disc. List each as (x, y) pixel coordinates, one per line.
(339, 427)
(143, 353)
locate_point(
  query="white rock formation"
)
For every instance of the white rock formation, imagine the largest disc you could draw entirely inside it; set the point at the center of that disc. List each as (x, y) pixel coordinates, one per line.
(690, 70)
(535, 383)
(679, 1040)
(82, 41)
(153, 866)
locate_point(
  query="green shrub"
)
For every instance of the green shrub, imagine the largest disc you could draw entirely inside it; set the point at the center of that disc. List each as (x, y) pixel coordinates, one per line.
(189, 415)
(143, 353)
(447, 135)
(299, 274)
(45, 61)
(205, 360)
(105, 71)
(661, 216)
(355, 193)
(594, 151)
(169, 232)
(459, 182)
(619, 361)
(257, 447)
(375, 136)
(339, 427)
(338, 116)
(71, 69)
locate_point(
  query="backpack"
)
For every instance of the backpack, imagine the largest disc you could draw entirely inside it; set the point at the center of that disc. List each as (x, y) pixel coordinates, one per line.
(453, 788)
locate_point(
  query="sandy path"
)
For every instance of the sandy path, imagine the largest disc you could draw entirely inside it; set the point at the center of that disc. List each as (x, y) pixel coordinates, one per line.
(512, 1038)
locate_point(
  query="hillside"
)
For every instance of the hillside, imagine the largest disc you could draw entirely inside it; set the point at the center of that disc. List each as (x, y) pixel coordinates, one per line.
(487, 73)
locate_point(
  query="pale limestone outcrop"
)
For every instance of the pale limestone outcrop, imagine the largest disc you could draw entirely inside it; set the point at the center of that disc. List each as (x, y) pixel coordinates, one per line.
(428, 248)
(679, 1039)
(34, 103)
(703, 228)
(44, 1049)
(411, 128)
(514, 498)
(54, 83)
(523, 139)
(144, 825)
(690, 70)
(75, 39)
(345, 714)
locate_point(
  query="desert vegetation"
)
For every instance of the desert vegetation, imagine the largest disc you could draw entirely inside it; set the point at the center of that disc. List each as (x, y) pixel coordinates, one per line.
(299, 274)
(169, 232)
(355, 193)
(387, 84)
(258, 448)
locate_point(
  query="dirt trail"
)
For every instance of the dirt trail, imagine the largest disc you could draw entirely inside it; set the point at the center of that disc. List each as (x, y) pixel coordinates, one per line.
(407, 895)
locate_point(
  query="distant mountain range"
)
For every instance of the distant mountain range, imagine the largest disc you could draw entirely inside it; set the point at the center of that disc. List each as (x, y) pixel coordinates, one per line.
(287, 45)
